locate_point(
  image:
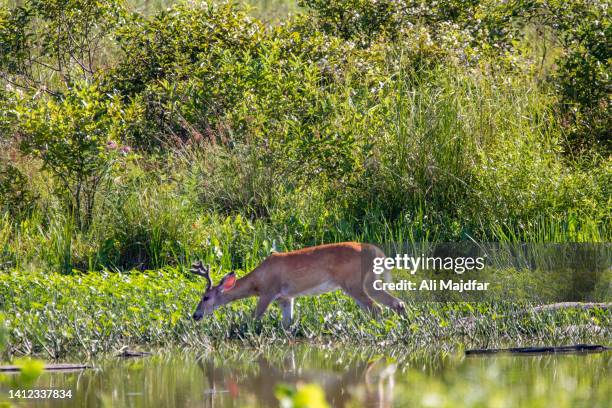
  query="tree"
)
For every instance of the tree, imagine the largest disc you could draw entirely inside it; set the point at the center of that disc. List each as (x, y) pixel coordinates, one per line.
(78, 140)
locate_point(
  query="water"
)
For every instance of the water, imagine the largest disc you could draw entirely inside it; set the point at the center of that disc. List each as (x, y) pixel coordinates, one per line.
(350, 377)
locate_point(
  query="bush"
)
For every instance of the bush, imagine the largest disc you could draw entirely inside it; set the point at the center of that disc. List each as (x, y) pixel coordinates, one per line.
(175, 59)
(219, 77)
(369, 21)
(77, 139)
(581, 34)
(583, 77)
(16, 198)
(53, 44)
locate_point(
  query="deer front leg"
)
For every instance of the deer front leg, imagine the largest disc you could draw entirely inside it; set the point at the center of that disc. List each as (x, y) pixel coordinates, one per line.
(286, 305)
(388, 300)
(362, 299)
(262, 305)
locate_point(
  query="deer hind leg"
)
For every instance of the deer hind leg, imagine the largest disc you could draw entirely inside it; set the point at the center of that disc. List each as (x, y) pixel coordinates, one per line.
(286, 305)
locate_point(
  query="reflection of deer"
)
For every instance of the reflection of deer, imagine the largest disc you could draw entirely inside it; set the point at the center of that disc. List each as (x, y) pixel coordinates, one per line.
(309, 271)
(370, 383)
(380, 382)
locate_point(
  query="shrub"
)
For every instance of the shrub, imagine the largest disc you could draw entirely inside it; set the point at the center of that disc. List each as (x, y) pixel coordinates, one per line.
(52, 44)
(173, 59)
(221, 78)
(16, 197)
(369, 21)
(77, 139)
(583, 77)
(174, 42)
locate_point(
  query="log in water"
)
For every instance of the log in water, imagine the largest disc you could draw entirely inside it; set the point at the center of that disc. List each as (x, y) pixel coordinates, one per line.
(577, 348)
(48, 367)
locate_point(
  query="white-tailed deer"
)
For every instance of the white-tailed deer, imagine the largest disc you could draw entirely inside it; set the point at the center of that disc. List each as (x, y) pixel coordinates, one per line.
(310, 271)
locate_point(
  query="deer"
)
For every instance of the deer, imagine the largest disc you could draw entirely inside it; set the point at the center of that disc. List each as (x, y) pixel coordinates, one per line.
(283, 276)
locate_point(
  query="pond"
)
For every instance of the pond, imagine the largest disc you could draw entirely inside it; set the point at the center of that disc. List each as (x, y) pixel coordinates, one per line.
(349, 377)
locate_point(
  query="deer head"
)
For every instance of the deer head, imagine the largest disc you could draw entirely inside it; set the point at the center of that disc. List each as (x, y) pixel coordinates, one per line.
(213, 296)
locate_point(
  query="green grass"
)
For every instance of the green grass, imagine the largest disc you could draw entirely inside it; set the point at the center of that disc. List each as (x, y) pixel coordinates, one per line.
(277, 138)
(56, 315)
(452, 157)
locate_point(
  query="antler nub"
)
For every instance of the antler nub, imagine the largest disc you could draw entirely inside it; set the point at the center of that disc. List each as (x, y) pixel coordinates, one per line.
(201, 270)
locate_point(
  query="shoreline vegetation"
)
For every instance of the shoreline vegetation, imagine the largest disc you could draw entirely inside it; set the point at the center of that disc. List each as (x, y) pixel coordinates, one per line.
(133, 143)
(55, 316)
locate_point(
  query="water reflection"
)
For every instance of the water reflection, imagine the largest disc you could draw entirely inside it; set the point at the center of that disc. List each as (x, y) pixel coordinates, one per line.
(350, 377)
(345, 379)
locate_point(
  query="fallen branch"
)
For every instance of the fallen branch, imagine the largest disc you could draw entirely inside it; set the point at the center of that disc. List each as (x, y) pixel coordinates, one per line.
(48, 367)
(577, 348)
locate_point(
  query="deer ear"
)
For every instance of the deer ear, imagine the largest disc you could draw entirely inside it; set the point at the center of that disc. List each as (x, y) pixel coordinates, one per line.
(228, 281)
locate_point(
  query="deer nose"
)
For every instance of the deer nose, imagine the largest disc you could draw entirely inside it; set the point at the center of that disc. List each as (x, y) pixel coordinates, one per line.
(197, 316)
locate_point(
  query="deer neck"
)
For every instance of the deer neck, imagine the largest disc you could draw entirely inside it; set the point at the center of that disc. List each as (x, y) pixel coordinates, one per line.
(243, 288)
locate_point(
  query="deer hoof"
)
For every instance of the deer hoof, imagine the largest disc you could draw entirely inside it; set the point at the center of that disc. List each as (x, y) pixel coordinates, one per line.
(400, 308)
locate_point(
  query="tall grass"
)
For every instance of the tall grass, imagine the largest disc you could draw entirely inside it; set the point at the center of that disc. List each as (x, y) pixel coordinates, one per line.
(451, 155)
(477, 156)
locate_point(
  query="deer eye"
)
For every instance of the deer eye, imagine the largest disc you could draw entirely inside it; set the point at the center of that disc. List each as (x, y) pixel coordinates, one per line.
(205, 298)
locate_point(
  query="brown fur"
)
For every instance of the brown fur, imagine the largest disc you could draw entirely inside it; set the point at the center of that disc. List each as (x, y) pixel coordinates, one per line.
(312, 270)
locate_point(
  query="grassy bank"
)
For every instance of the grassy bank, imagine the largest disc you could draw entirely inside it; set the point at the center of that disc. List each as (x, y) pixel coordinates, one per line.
(143, 140)
(54, 315)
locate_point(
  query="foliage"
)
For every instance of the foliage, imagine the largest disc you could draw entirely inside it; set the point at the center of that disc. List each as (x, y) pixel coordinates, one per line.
(7, 104)
(77, 139)
(583, 77)
(581, 28)
(264, 88)
(374, 121)
(57, 314)
(16, 198)
(450, 153)
(368, 21)
(173, 42)
(49, 45)
(176, 58)
(3, 333)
